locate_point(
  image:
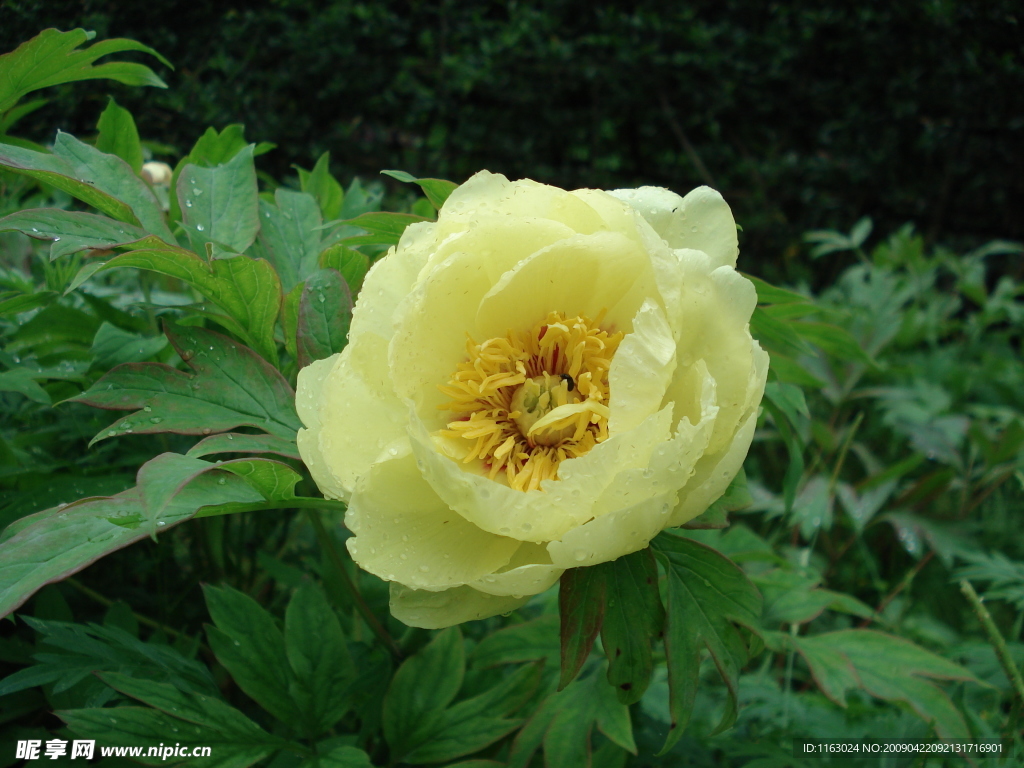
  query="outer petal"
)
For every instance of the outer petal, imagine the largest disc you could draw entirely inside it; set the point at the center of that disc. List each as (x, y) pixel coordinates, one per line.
(359, 414)
(389, 281)
(437, 610)
(713, 475)
(702, 220)
(525, 198)
(528, 573)
(613, 535)
(405, 533)
(308, 395)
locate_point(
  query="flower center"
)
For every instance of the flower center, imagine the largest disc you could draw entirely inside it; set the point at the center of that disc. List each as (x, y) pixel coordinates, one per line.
(531, 399)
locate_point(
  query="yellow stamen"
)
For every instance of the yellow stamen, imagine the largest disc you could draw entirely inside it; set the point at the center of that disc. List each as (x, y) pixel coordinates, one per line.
(532, 399)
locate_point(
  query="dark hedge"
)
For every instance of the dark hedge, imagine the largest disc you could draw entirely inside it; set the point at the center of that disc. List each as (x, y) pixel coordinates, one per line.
(803, 114)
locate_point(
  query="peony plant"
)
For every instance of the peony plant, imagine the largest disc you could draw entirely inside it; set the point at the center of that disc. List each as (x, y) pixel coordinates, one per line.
(540, 380)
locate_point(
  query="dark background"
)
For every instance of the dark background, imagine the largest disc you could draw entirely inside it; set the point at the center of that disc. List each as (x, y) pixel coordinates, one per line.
(804, 115)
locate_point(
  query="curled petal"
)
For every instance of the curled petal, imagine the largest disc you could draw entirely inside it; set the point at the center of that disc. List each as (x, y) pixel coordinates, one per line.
(529, 572)
(641, 369)
(437, 610)
(702, 220)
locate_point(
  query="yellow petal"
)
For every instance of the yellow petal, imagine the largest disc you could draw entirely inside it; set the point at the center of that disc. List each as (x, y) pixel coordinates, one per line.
(560, 505)
(641, 369)
(389, 281)
(636, 505)
(613, 535)
(490, 192)
(715, 314)
(405, 533)
(702, 220)
(437, 610)
(308, 395)
(529, 572)
(432, 323)
(359, 414)
(713, 474)
(581, 275)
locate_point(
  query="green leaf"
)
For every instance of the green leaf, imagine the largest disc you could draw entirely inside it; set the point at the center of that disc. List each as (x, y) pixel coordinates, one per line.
(339, 757)
(835, 341)
(290, 235)
(27, 301)
(213, 148)
(114, 176)
(633, 618)
(324, 187)
(889, 668)
(73, 231)
(325, 311)
(777, 334)
(234, 442)
(290, 319)
(57, 324)
(319, 658)
(383, 228)
(707, 594)
(146, 728)
(421, 690)
(359, 200)
(436, 190)
(231, 387)
(581, 595)
(790, 400)
(23, 382)
(119, 136)
(352, 265)
(193, 708)
(247, 289)
(50, 545)
(795, 599)
(50, 58)
(788, 370)
(112, 346)
(791, 439)
(248, 644)
(273, 479)
(529, 641)
(565, 722)
(220, 205)
(57, 172)
(74, 651)
(770, 294)
(476, 723)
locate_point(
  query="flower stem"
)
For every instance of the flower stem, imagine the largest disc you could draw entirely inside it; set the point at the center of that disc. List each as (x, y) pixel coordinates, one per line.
(996, 639)
(364, 610)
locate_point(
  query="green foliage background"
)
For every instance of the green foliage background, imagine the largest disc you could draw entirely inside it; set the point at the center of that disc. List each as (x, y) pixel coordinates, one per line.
(888, 465)
(805, 115)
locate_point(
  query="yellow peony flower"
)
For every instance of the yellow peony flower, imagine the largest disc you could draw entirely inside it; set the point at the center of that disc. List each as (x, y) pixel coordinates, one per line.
(538, 380)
